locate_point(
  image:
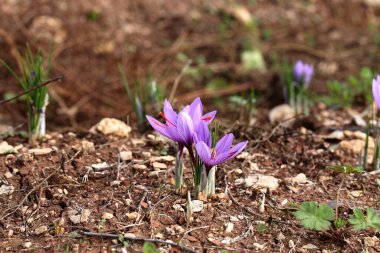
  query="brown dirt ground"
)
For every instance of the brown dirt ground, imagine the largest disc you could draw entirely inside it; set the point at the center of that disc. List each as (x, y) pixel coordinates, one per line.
(146, 36)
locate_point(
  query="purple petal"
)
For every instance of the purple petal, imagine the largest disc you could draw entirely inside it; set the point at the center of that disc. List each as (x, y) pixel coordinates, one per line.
(231, 153)
(185, 127)
(208, 117)
(224, 144)
(298, 69)
(186, 109)
(376, 90)
(169, 113)
(203, 134)
(194, 105)
(196, 116)
(158, 126)
(173, 132)
(203, 152)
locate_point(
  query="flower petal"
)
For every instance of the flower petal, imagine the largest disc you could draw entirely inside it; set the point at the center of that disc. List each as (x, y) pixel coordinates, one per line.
(224, 144)
(231, 153)
(203, 134)
(185, 127)
(158, 126)
(169, 113)
(197, 101)
(208, 117)
(203, 152)
(196, 116)
(376, 90)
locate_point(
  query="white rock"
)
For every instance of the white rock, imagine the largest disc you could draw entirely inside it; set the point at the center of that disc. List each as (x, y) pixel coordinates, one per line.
(234, 219)
(281, 237)
(5, 148)
(299, 179)
(371, 241)
(40, 151)
(244, 155)
(100, 166)
(259, 181)
(88, 146)
(259, 246)
(310, 246)
(132, 216)
(158, 165)
(197, 205)
(8, 174)
(169, 231)
(140, 167)
(41, 230)
(166, 158)
(146, 154)
(283, 114)
(107, 216)
(178, 207)
(229, 227)
(110, 126)
(126, 155)
(27, 245)
(6, 189)
(82, 217)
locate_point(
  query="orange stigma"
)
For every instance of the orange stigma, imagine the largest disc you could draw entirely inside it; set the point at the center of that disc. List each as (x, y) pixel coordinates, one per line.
(207, 118)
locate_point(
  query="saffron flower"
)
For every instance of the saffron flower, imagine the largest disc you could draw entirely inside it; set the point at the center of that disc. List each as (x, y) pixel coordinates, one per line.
(222, 151)
(181, 127)
(302, 72)
(376, 90)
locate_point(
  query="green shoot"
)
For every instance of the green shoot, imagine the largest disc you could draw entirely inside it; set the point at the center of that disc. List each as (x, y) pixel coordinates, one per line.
(150, 248)
(340, 223)
(34, 70)
(346, 169)
(361, 222)
(141, 96)
(313, 217)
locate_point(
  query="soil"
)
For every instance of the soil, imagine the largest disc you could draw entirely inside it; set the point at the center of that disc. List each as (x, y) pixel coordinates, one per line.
(147, 36)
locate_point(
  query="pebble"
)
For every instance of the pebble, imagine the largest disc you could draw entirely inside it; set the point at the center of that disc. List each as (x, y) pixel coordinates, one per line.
(229, 227)
(281, 236)
(282, 113)
(166, 158)
(244, 155)
(41, 230)
(158, 165)
(132, 216)
(5, 148)
(178, 207)
(140, 167)
(299, 179)
(26, 245)
(40, 151)
(88, 146)
(110, 126)
(234, 219)
(6, 189)
(107, 216)
(126, 156)
(197, 205)
(146, 154)
(8, 175)
(169, 231)
(10, 233)
(259, 181)
(82, 217)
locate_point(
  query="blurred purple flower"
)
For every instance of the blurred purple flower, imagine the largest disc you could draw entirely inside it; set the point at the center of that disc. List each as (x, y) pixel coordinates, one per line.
(303, 72)
(222, 151)
(376, 90)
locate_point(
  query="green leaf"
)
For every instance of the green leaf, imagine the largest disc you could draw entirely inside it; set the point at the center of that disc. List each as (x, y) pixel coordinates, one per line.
(313, 217)
(150, 248)
(340, 223)
(361, 222)
(347, 168)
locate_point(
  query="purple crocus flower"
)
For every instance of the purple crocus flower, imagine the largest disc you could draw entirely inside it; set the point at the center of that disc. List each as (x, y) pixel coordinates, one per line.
(222, 151)
(376, 90)
(181, 127)
(303, 72)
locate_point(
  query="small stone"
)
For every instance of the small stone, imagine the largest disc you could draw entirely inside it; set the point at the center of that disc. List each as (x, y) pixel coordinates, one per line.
(140, 167)
(356, 193)
(8, 175)
(146, 154)
(259, 246)
(253, 167)
(158, 165)
(281, 236)
(283, 114)
(26, 245)
(178, 207)
(110, 126)
(299, 179)
(169, 231)
(337, 134)
(41, 230)
(5, 148)
(166, 158)
(310, 246)
(82, 217)
(197, 205)
(259, 181)
(371, 241)
(229, 227)
(179, 229)
(244, 155)
(6, 189)
(88, 146)
(132, 216)
(10, 233)
(234, 219)
(107, 216)
(40, 151)
(238, 171)
(126, 156)
(291, 244)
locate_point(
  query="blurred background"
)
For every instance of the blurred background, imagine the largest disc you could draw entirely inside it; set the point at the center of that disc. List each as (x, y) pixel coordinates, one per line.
(231, 53)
